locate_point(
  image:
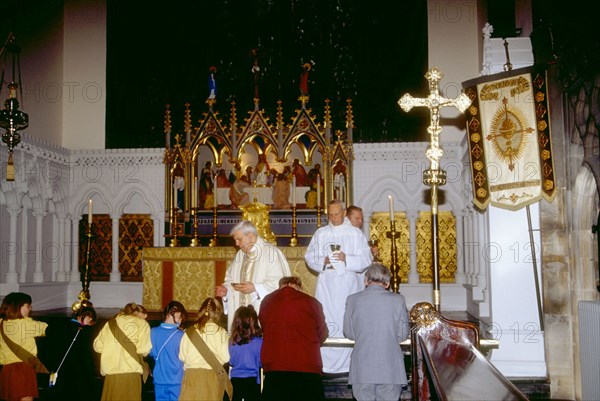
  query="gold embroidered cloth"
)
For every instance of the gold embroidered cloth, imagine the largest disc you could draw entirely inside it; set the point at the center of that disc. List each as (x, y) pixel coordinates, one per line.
(190, 274)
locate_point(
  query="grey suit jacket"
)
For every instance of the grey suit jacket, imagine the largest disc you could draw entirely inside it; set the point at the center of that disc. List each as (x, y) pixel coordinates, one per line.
(377, 320)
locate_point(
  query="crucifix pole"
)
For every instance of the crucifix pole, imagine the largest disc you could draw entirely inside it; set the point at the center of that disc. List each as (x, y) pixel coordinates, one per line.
(434, 177)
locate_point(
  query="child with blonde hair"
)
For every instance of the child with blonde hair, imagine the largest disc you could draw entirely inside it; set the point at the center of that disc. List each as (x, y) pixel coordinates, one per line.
(123, 343)
(203, 351)
(136, 310)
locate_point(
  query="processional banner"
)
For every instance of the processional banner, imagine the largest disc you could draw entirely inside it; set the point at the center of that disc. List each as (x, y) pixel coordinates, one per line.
(508, 133)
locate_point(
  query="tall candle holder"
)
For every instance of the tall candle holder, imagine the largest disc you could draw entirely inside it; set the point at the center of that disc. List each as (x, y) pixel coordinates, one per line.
(394, 266)
(174, 240)
(318, 216)
(194, 242)
(84, 294)
(294, 240)
(213, 241)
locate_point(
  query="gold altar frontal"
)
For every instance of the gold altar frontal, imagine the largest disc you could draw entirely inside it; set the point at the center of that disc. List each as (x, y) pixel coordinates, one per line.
(189, 275)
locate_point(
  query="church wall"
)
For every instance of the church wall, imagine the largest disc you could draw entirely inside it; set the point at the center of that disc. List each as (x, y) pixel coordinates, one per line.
(570, 263)
(84, 74)
(42, 208)
(454, 30)
(42, 45)
(515, 316)
(396, 169)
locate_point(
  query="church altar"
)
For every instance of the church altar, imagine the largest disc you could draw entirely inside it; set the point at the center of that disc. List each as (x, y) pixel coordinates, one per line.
(190, 274)
(262, 194)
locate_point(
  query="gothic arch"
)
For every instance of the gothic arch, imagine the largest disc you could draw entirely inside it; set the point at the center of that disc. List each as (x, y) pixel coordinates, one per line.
(123, 199)
(585, 212)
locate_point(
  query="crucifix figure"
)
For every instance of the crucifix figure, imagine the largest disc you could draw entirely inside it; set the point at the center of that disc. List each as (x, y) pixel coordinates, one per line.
(434, 176)
(434, 102)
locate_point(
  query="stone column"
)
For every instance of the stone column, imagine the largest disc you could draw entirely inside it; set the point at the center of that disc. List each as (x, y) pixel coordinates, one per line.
(38, 275)
(460, 277)
(157, 222)
(67, 246)
(469, 246)
(61, 273)
(11, 274)
(115, 274)
(482, 244)
(75, 276)
(24, 245)
(413, 275)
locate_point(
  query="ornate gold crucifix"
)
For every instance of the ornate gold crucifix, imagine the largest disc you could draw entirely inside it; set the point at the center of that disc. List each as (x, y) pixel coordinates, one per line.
(434, 102)
(435, 176)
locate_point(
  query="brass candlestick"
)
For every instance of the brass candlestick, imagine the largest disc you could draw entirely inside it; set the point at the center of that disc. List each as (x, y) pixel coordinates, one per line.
(84, 294)
(318, 216)
(394, 267)
(294, 240)
(174, 241)
(194, 242)
(213, 241)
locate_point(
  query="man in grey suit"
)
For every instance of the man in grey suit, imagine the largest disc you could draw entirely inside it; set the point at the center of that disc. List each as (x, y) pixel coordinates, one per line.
(377, 320)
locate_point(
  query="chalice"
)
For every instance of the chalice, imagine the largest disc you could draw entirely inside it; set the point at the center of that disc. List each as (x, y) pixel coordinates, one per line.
(374, 245)
(335, 248)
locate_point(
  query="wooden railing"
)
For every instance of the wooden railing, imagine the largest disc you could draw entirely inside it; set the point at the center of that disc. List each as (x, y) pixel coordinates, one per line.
(446, 362)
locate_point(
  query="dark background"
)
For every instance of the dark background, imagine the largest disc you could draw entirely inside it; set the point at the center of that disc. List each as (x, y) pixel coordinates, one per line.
(372, 52)
(160, 55)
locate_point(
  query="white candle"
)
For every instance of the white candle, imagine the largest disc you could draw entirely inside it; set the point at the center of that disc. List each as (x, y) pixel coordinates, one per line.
(195, 193)
(318, 190)
(174, 196)
(215, 192)
(391, 207)
(90, 211)
(294, 191)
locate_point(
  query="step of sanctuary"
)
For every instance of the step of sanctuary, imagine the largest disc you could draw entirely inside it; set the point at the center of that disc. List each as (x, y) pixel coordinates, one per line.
(335, 386)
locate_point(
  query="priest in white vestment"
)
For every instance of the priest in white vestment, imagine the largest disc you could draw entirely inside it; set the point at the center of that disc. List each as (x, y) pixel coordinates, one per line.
(254, 272)
(338, 253)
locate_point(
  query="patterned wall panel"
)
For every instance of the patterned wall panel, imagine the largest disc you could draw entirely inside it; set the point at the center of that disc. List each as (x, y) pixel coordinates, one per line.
(380, 230)
(447, 247)
(100, 246)
(136, 231)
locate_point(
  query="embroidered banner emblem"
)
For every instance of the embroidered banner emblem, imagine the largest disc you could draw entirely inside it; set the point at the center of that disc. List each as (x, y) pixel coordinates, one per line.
(509, 139)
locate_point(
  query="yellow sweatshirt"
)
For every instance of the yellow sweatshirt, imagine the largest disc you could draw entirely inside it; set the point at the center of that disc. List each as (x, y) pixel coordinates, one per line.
(23, 332)
(217, 340)
(113, 357)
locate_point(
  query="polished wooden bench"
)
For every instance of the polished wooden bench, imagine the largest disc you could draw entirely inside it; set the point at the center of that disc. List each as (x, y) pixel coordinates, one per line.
(447, 364)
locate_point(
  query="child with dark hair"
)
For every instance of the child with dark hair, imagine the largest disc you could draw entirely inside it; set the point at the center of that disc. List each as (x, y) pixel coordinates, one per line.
(168, 369)
(244, 350)
(18, 379)
(200, 380)
(71, 359)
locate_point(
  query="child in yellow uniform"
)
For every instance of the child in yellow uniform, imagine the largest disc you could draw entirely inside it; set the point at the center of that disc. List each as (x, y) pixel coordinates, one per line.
(17, 378)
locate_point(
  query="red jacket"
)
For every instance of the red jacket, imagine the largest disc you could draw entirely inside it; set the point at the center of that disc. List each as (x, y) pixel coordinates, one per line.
(294, 327)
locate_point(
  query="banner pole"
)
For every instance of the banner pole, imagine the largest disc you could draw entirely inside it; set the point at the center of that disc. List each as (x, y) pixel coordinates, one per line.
(535, 272)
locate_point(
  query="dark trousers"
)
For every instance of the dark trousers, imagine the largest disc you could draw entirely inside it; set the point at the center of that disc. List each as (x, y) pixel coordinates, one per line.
(292, 386)
(245, 388)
